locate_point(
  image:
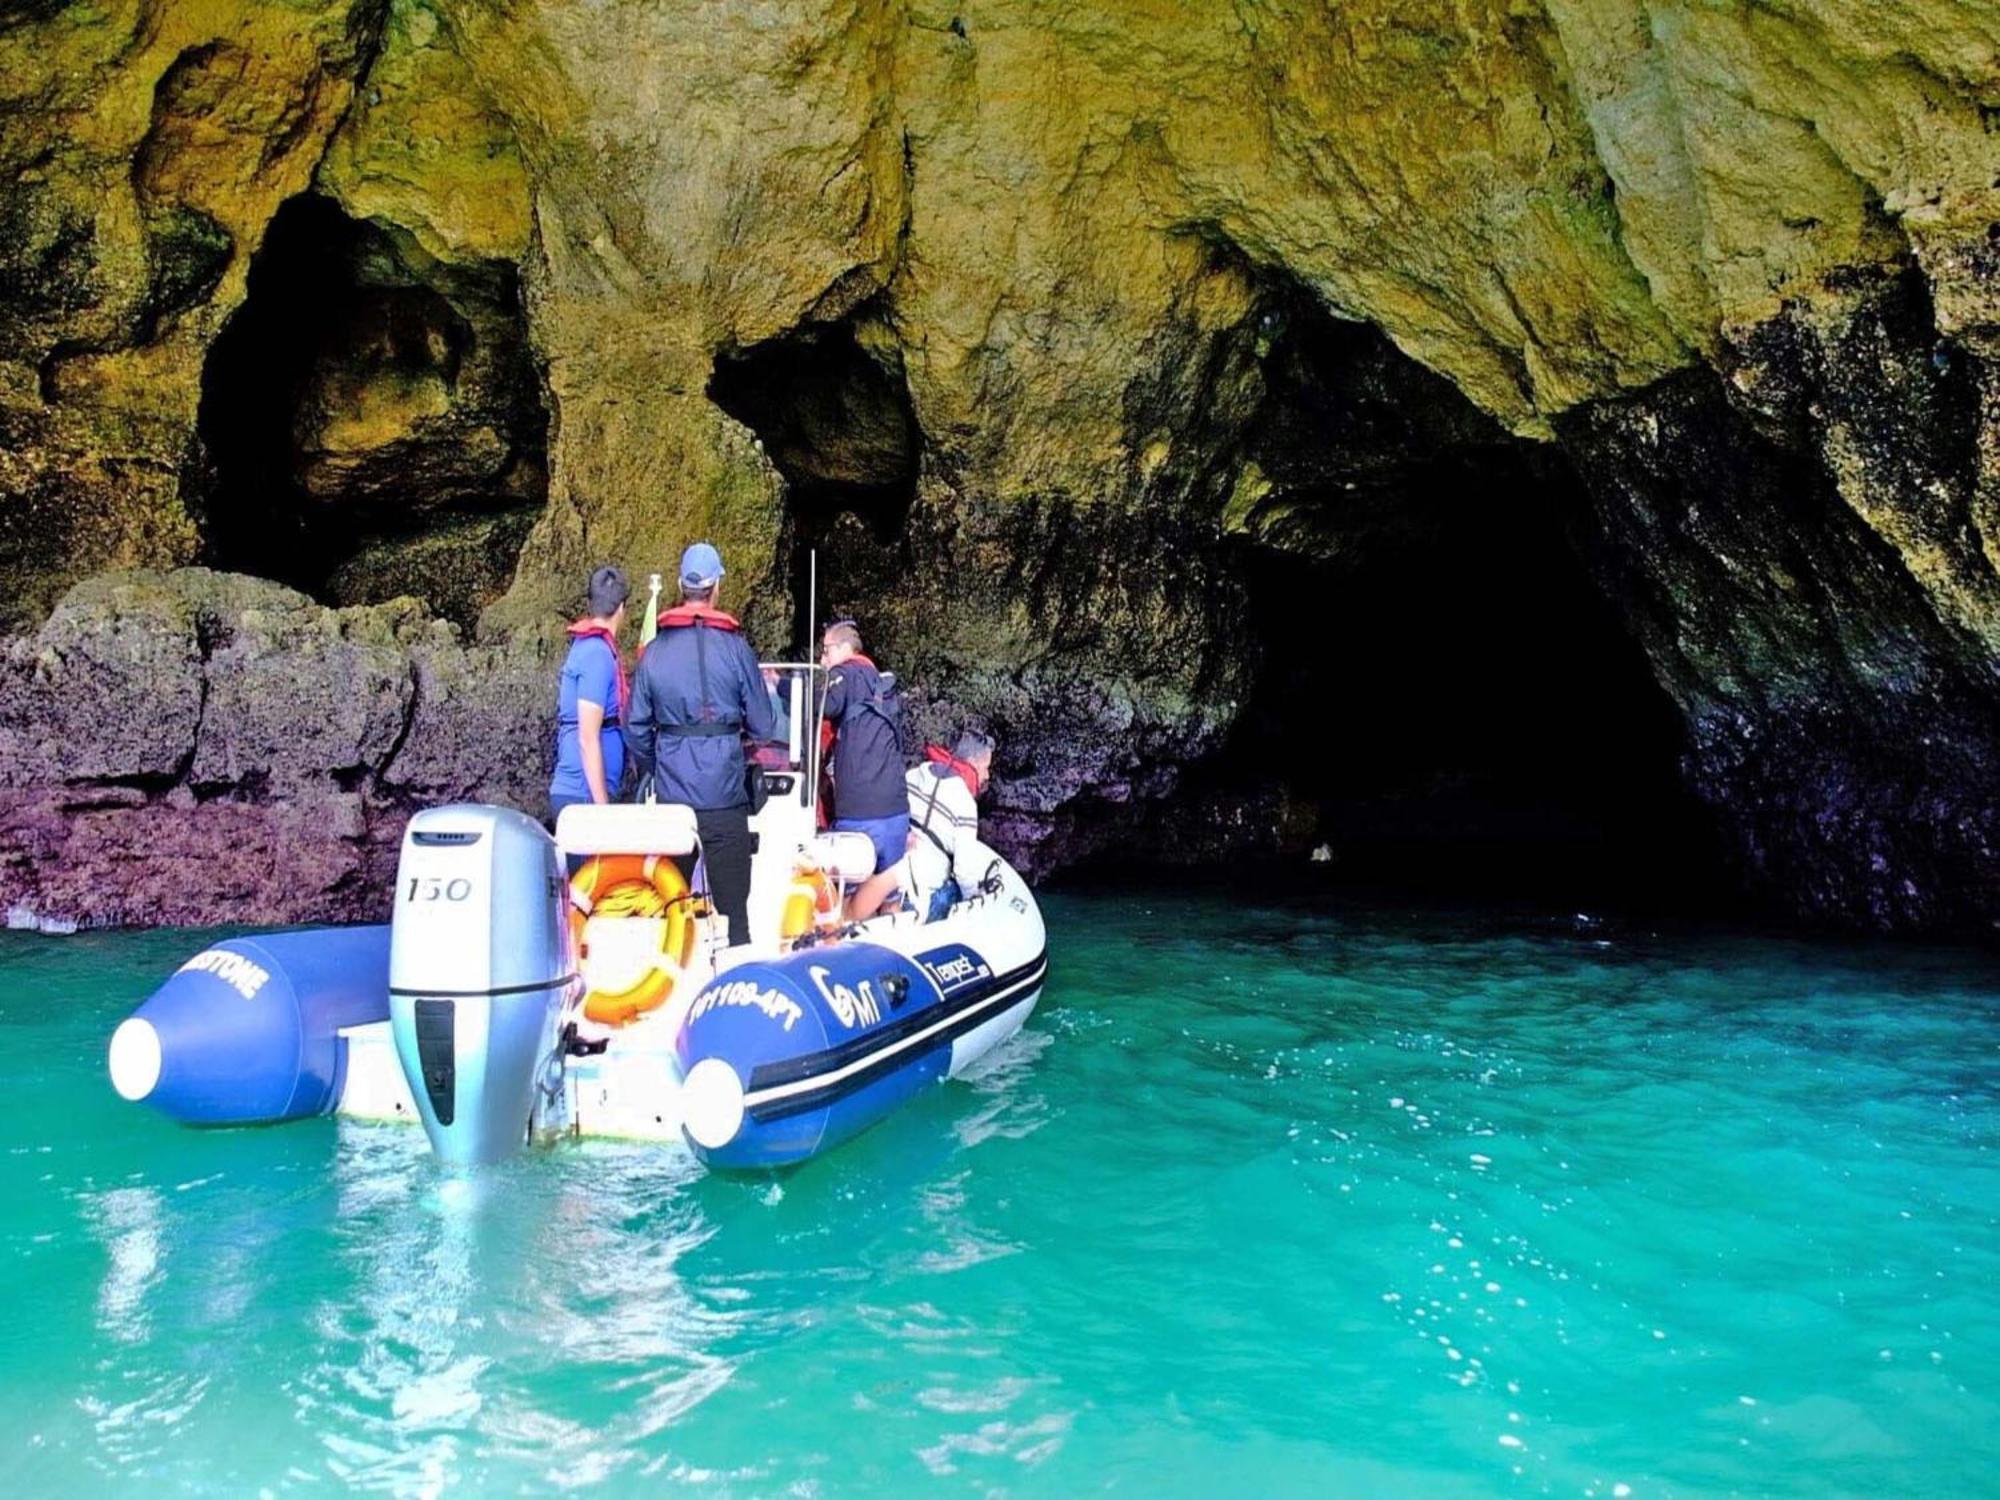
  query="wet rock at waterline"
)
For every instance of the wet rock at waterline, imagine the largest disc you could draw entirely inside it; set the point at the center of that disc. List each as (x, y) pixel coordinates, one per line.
(1806, 549)
(1262, 427)
(194, 748)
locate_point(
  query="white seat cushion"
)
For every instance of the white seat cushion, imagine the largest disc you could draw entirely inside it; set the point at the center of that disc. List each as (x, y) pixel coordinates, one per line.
(848, 857)
(626, 828)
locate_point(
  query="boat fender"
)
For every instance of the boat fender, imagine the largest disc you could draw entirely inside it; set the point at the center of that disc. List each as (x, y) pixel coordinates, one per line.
(248, 1031)
(812, 903)
(782, 1058)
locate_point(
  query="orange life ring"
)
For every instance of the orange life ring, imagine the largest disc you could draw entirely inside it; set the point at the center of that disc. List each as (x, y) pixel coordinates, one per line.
(634, 885)
(812, 902)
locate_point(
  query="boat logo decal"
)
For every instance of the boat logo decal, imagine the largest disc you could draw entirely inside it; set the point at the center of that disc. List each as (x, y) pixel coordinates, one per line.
(774, 1003)
(854, 1007)
(778, 1090)
(955, 967)
(233, 969)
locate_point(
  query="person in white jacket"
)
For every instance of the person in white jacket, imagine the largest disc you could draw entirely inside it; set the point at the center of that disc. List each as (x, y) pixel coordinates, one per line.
(945, 855)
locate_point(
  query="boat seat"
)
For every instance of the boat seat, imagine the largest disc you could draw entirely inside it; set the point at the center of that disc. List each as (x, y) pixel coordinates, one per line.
(848, 857)
(626, 828)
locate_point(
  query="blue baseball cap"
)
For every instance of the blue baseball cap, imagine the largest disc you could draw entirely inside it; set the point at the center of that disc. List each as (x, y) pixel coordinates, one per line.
(701, 566)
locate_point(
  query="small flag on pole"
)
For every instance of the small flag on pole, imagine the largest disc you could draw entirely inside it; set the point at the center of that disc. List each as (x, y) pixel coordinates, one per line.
(650, 626)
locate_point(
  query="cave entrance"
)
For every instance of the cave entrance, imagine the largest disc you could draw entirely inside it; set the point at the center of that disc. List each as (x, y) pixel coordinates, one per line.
(372, 420)
(832, 408)
(1470, 715)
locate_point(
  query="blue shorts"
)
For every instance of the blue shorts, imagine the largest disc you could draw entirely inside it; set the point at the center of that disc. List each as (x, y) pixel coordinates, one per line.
(557, 802)
(890, 836)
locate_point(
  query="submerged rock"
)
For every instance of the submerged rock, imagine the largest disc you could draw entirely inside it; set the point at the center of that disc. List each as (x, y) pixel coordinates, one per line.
(1051, 331)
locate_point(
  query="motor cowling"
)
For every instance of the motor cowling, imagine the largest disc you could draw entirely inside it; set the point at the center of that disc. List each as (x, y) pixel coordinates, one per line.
(479, 970)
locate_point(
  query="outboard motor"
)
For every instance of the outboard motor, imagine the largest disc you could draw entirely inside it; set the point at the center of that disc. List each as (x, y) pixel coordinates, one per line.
(479, 970)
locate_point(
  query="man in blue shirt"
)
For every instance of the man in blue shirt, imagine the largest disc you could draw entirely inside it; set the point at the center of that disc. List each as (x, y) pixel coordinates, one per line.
(590, 701)
(698, 693)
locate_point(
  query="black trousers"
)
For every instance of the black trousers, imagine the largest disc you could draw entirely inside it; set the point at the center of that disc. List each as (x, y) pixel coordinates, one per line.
(725, 841)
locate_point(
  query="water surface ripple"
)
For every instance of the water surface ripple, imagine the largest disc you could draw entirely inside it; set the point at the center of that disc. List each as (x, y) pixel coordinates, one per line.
(1263, 1202)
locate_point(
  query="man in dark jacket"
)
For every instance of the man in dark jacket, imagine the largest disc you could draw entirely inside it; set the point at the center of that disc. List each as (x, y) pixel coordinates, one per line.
(697, 693)
(866, 713)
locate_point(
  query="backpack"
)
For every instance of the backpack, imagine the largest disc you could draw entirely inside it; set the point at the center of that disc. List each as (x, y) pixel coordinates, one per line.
(886, 703)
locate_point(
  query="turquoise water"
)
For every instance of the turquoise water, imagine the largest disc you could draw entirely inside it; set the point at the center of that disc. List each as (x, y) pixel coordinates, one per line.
(1342, 1204)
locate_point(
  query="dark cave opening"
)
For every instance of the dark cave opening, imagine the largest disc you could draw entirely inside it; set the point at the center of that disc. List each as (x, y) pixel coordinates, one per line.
(1443, 684)
(832, 408)
(1443, 688)
(372, 419)
(1471, 719)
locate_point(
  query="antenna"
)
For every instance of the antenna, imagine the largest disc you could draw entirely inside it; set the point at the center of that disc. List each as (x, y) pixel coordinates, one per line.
(812, 598)
(812, 686)
(648, 628)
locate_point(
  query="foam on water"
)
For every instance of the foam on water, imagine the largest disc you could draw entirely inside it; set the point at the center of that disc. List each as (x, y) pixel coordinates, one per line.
(1262, 1203)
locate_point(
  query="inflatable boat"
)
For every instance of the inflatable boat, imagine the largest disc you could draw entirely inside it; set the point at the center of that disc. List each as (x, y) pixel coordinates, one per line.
(510, 1001)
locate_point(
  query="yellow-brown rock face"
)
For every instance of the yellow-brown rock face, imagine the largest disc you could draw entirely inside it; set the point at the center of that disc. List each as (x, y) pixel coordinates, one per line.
(144, 148)
(1000, 304)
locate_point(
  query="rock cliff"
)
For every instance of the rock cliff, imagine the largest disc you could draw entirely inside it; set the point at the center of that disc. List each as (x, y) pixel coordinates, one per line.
(1087, 344)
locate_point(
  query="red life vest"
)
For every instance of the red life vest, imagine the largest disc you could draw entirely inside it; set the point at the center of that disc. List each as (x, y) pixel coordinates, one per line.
(697, 614)
(824, 799)
(937, 755)
(587, 629)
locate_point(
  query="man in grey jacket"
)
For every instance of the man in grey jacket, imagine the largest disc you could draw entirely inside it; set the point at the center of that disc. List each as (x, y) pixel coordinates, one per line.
(698, 693)
(945, 855)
